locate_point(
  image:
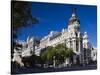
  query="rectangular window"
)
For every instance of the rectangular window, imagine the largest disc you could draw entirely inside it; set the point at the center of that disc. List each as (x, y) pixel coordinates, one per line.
(77, 46)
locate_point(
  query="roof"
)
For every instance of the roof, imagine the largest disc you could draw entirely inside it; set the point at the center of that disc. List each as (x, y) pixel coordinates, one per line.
(55, 36)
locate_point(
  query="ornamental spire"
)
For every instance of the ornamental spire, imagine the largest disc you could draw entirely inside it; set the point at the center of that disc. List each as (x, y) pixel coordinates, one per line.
(73, 12)
(73, 17)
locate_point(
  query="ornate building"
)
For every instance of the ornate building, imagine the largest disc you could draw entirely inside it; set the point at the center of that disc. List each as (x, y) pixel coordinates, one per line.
(71, 36)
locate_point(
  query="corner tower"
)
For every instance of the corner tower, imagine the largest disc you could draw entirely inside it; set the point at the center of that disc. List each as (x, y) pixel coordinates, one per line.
(74, 23)
(74, 37)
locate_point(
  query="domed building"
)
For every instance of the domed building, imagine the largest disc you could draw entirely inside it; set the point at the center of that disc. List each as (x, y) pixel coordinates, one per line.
(73, 38)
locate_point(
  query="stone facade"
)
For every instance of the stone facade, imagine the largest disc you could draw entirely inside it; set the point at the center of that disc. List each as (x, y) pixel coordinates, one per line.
(71, 36)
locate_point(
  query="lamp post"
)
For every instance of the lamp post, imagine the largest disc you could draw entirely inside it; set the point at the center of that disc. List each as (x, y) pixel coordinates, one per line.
(54, 63)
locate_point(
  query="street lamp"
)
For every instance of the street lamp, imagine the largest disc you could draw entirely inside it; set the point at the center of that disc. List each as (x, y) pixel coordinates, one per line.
(54, 63)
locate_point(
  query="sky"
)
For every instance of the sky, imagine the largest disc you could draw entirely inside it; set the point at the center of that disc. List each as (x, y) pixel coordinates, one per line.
(55, 17)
